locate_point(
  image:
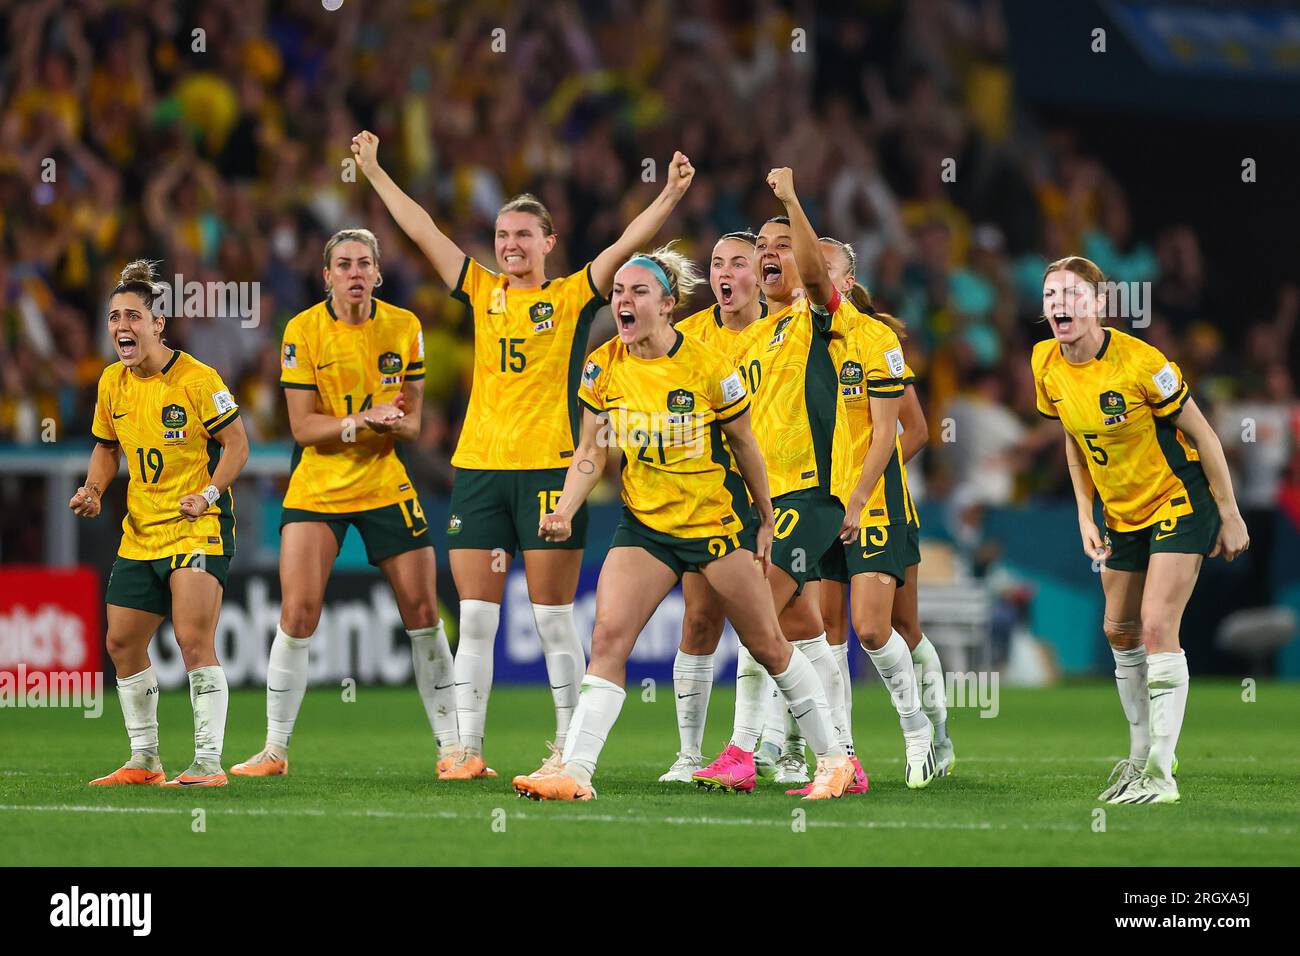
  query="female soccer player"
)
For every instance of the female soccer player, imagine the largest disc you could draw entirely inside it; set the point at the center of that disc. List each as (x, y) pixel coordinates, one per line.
(887, 551)
(738, 305)
(530, 336)
(179, 428)
(1134, 436)
(667, 401)
(802, 429)
(352, 370)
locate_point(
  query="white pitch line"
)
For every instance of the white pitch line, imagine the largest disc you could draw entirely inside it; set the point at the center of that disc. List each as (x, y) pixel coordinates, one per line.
(975, 826)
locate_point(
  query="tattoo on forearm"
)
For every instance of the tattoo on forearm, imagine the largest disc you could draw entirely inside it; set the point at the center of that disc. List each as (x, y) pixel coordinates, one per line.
(587, 466)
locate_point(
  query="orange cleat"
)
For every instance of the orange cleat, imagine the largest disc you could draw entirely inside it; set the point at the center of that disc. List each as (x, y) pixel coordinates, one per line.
(833, 778)
(554, 786)
(188, 779)
(464, 766)
(125, 776)
(264, 764)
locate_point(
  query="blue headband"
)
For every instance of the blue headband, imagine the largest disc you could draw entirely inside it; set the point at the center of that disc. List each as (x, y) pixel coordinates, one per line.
(655, 269)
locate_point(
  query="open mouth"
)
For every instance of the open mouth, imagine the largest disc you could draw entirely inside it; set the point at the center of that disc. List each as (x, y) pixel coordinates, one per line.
(771, 273)
(357, 289)
(725, 293)
(626, 320)
(127, 346)
(512, 259)
(1063, 322)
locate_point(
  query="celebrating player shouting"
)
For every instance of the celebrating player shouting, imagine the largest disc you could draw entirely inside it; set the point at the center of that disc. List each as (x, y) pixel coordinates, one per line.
(1134, 436)
(667, 400)
(179, 429)
(530, 336)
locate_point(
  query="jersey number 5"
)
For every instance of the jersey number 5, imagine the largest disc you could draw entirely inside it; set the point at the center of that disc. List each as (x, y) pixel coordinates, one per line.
(1098, 454)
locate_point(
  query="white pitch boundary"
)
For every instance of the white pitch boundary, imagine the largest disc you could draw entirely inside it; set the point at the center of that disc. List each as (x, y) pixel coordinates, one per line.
(975, 826)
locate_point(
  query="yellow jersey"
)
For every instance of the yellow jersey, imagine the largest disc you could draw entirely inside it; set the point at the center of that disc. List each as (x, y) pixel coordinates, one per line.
(799, 416)
(1118, 407)
(707, 326)
(351, 368)
(666, 414)
(164, 425)
(869, 362)
(528, 351)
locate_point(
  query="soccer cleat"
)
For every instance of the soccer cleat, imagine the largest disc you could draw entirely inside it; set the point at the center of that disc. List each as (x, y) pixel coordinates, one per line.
(553, 764)
(792, 766)
(765, 758)
(919, 765)
(466, 766)
(733, 772)
(683, 768)
(945, 759)
(833, 778)
(268, 763)
(199, 775)
(1147, 789)
(125, 776)
(560, 785)
(859, 785)
(1124, 773)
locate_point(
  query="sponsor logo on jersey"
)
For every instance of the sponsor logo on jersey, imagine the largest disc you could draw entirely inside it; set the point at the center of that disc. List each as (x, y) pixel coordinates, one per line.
(390, 363)
(680, 400)
(733, 388)
(540, 313)
(290, 355)
(453, 524)
(850, 374)
(173, 416)
(1166, 380)
(590, 374)
(894, 359)
(1112, 403)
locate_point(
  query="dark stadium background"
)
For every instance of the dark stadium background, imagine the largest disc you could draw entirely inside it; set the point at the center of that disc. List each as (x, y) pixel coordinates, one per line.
(225, 164)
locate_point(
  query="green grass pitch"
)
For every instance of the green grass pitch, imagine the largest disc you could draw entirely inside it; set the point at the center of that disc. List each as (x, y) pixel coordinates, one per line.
(361, 790)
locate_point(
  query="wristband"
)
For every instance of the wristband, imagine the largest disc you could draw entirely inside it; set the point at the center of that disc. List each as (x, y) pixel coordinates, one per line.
(211, 494)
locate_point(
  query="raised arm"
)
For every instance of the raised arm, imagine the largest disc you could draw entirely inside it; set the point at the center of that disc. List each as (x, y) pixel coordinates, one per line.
(808, 257)
(749, 459)
(1233, 537)
(104, 462)
(584, 472)
(643, 228)
(447, 257)
(884, 434)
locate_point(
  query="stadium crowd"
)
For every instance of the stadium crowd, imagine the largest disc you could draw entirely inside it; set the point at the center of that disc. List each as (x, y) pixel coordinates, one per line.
(127, 132)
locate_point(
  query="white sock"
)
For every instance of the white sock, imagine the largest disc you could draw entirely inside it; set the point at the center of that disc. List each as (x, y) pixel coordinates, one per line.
(1167, 684)
(138, 695)
(599, 702)
(286, 685)
(806, 697)
(1135, 698)
(841, 653)
(823, 661)
(775, 714)
(209, 697)
(929, 680)
(473, 669)
(895, 666)
(693, 685)
(749, 701)
(565, 661)
(436, 680)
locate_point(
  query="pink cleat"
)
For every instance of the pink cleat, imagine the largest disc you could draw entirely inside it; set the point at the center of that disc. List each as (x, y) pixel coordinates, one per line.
(733, 772)
(860, 783)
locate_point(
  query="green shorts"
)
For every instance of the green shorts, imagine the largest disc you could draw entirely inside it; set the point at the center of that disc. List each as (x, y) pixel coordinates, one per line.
(386, 532)
(913, 553)
(1186, 534)
(680, 554)
(808, 523)
(885, 548)
(142, 584)
(502, 509)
